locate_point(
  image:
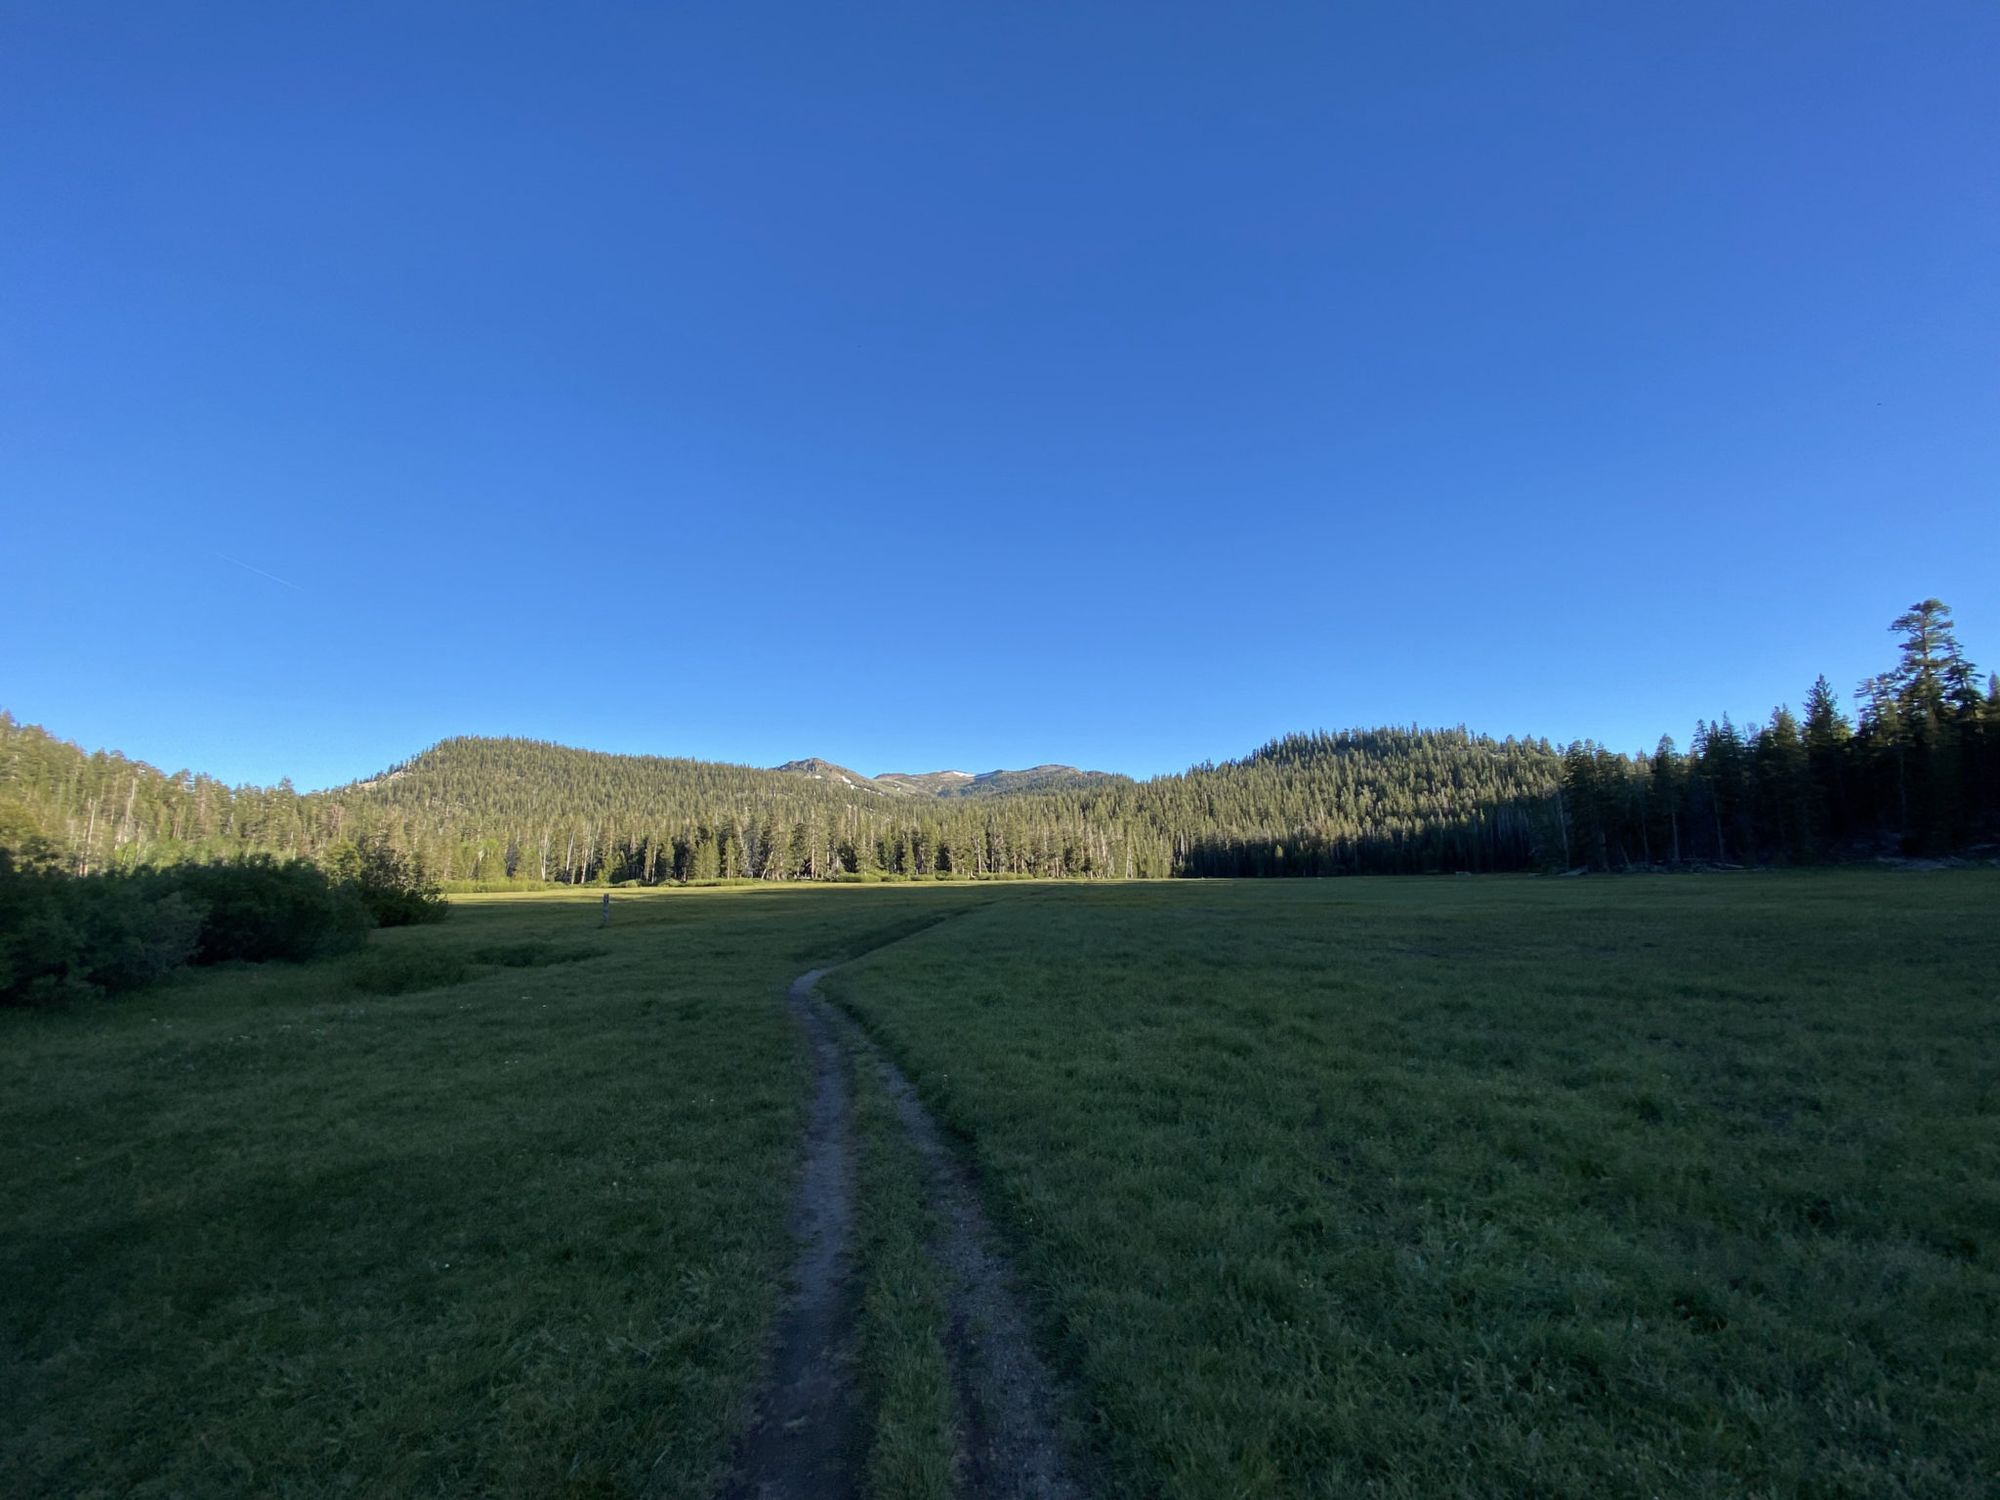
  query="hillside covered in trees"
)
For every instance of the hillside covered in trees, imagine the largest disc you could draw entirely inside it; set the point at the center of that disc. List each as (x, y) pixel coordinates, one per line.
(1915, 769)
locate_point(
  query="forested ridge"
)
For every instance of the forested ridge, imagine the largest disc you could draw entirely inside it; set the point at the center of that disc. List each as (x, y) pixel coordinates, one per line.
(1913, 769)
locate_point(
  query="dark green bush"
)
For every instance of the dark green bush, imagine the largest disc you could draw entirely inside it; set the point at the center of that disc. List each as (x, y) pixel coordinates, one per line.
(258, 908)
(134, 936)
(394, 886)
(60, 936)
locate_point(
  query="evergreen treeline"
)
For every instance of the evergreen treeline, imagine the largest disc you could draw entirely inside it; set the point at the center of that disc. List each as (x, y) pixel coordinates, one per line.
(524, 811)
(1915, 771)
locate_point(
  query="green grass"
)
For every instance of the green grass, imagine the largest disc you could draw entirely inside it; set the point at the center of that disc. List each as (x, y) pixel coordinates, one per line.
(516, 1229)
(1507, 1186)
(1680, 1186)
(909, 1395)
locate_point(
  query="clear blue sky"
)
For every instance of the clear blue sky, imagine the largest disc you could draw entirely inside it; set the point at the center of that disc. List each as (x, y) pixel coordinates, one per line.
(975, 384)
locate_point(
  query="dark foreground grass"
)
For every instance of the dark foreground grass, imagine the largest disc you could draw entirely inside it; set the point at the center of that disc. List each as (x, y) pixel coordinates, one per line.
(495, 1208)
(913, 1446)
(1643, 1186)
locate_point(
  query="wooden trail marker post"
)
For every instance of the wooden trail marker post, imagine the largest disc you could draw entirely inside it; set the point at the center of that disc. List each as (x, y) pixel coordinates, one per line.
(605, 920)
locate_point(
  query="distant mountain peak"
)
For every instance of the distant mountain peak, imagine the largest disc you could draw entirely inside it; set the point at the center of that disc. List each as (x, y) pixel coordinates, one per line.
(826, 770)
(1043, 778)
(951, 783)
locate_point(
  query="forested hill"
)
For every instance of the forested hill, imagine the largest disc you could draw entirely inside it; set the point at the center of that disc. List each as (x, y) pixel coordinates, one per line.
(1916, 770)
(522, 809)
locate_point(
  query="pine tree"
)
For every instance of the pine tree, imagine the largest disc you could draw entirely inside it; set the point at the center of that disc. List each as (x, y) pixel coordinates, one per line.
(1935, 699)
(1828, 737)
(1933, 675)
(1669, 791)
(1784, 789)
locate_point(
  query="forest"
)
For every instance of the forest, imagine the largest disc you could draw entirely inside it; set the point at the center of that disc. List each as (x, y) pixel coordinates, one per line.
(1913, 768)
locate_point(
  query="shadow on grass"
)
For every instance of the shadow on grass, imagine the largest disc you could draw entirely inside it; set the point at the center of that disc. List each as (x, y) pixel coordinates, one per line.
(402, 971)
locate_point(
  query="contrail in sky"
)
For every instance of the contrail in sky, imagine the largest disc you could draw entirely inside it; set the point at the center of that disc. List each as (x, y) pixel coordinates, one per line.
(258, 571)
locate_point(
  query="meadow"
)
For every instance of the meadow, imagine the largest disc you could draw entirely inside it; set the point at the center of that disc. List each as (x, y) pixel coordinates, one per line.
(496, 1207)
(1666, 1186)
(1481, 1186)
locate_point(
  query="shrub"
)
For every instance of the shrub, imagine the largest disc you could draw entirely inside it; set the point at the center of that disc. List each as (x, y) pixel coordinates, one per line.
(40, 943)
(60, 936)
(391, 884)
(258, 908)
(133, 936)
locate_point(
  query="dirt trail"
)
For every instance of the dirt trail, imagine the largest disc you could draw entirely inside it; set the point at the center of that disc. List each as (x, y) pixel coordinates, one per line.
(808, 1441)
(1009, 1409)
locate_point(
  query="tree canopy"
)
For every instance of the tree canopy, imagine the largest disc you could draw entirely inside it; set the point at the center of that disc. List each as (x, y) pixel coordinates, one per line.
(1915, 769)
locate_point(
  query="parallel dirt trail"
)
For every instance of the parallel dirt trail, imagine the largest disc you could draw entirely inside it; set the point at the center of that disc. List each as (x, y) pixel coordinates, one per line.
(808, 1440)
(1009, 1407)
(808, 1443)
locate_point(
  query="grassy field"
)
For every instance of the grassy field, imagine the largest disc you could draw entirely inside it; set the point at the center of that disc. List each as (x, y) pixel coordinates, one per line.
(1675, 1185)
(282, 1230)
(1663, 1186)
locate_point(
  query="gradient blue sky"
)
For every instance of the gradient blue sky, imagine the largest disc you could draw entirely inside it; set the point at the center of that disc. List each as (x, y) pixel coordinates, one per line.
(975, 384)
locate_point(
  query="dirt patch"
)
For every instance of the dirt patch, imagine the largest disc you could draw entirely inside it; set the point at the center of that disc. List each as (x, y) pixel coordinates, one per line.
(807, 1440)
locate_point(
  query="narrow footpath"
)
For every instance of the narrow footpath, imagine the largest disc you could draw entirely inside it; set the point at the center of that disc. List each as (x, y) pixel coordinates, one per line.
(809, 1441)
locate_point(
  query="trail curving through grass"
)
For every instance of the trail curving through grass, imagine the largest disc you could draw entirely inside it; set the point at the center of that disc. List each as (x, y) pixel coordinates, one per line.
(808, 1438)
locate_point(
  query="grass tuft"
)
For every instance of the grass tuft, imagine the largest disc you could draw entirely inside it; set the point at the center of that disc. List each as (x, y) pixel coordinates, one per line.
(913, 1453)
(534, 954)
(402, 971)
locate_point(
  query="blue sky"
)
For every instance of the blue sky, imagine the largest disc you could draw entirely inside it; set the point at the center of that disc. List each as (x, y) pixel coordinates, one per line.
(980, 385)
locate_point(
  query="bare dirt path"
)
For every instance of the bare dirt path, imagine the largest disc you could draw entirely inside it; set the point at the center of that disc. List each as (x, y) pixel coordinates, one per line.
(808, 1442)
(1010, 1429)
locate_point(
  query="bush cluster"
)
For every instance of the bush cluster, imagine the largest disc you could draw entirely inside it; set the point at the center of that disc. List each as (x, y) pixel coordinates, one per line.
(58, 936)
(63, 935)
(394, 886)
